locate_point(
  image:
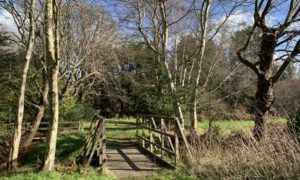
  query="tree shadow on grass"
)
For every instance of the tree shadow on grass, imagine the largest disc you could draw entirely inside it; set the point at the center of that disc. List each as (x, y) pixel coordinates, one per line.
(67, 149)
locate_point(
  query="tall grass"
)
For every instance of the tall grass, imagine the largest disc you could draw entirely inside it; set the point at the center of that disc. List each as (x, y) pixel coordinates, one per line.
(241, 157)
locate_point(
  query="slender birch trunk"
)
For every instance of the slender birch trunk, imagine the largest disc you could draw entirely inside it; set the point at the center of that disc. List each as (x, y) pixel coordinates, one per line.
(198, 64)
(52, 46)
(14, 151)
(40, 114)
(165, 36)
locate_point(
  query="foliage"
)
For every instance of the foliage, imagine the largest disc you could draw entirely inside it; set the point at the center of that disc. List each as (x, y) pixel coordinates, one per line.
(74, 110)
(9, 69)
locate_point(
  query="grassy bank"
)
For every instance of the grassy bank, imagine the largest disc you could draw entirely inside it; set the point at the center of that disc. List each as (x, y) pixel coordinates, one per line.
(68, 149)
(227, 127)
(228, 152)
(56, 175)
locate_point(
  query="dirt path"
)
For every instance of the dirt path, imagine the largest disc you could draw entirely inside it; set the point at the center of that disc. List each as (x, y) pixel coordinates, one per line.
(127, 162)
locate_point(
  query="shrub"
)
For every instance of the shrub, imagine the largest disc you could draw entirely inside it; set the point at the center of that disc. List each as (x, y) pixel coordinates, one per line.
(242, 157)
(72, 110)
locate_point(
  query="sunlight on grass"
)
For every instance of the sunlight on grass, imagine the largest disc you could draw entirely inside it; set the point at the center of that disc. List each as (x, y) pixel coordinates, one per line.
(121, 128)
(227, 127)
(59, 176)
(233, 126)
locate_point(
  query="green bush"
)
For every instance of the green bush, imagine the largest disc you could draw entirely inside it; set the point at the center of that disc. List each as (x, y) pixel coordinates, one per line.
(72, 110)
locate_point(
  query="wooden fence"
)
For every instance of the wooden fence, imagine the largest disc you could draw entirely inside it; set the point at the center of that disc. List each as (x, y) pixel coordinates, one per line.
(65, 126)
(95, 143)
(162, 137)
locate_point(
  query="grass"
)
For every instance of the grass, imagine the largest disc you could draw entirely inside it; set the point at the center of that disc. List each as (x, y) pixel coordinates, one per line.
(68, 149)
(239, 156)
(171, 175)
(228, 127)
(121, 128)
(58, 176)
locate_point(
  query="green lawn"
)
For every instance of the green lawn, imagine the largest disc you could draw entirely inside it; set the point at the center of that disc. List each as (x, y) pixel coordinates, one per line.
(232, 126)
(121, 128)
(90, 175)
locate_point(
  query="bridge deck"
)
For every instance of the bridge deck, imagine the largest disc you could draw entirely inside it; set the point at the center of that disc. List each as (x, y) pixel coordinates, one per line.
(126, 161)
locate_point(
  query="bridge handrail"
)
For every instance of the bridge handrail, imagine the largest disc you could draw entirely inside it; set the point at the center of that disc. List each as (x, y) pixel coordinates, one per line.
(165, 141)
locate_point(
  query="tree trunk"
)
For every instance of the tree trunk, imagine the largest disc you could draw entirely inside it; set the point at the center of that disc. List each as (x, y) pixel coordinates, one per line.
(165, 36)
(264, 93)
(264, 100)
(14, 150)
(53, 64)
(203, 22)
(193, 111)
(40, 114)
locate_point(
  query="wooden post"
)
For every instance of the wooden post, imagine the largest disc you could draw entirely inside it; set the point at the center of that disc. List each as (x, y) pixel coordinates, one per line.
(176, 147)
(102, 145)
(162, 137)
(137, 129)
(150, 137)
(104, 142)
(80, 126)
(143, 133)
(100, 149)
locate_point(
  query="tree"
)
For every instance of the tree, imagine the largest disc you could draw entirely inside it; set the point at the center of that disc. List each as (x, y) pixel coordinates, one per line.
(29, 8)
(197, 77)
(52, 35)
(281, 39)
(153, 23)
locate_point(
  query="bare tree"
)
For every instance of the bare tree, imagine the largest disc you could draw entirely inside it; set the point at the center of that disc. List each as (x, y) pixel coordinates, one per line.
(192, 67)
(87, 32)
(20, 14)
(52, 31)
(153, 23)
(280, 39)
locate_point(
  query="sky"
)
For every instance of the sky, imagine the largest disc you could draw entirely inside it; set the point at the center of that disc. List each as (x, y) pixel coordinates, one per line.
(7, 21)
(241, 18)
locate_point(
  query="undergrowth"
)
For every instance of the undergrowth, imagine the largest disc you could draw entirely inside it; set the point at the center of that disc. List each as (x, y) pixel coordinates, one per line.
(240, 156)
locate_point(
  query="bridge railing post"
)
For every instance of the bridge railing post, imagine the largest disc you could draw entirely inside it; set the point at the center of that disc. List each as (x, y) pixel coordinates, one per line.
(102, 145)
(143, 133)
(176, 144)
(150, 136)
(162, 137)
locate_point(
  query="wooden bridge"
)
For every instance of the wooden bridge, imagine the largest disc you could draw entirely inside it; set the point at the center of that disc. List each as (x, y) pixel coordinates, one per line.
(155, 142)
(158, 143)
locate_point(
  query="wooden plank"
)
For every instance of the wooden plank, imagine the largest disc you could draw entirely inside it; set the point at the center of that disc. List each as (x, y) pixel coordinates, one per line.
(92, 137)
(150, 138)
(168, 138)
(182, 135)
(172, 119)
(176, 149)
(157, 157)
(157, 131)
(155, 144)
(163, 129)
(104, 157)
(162, 138)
